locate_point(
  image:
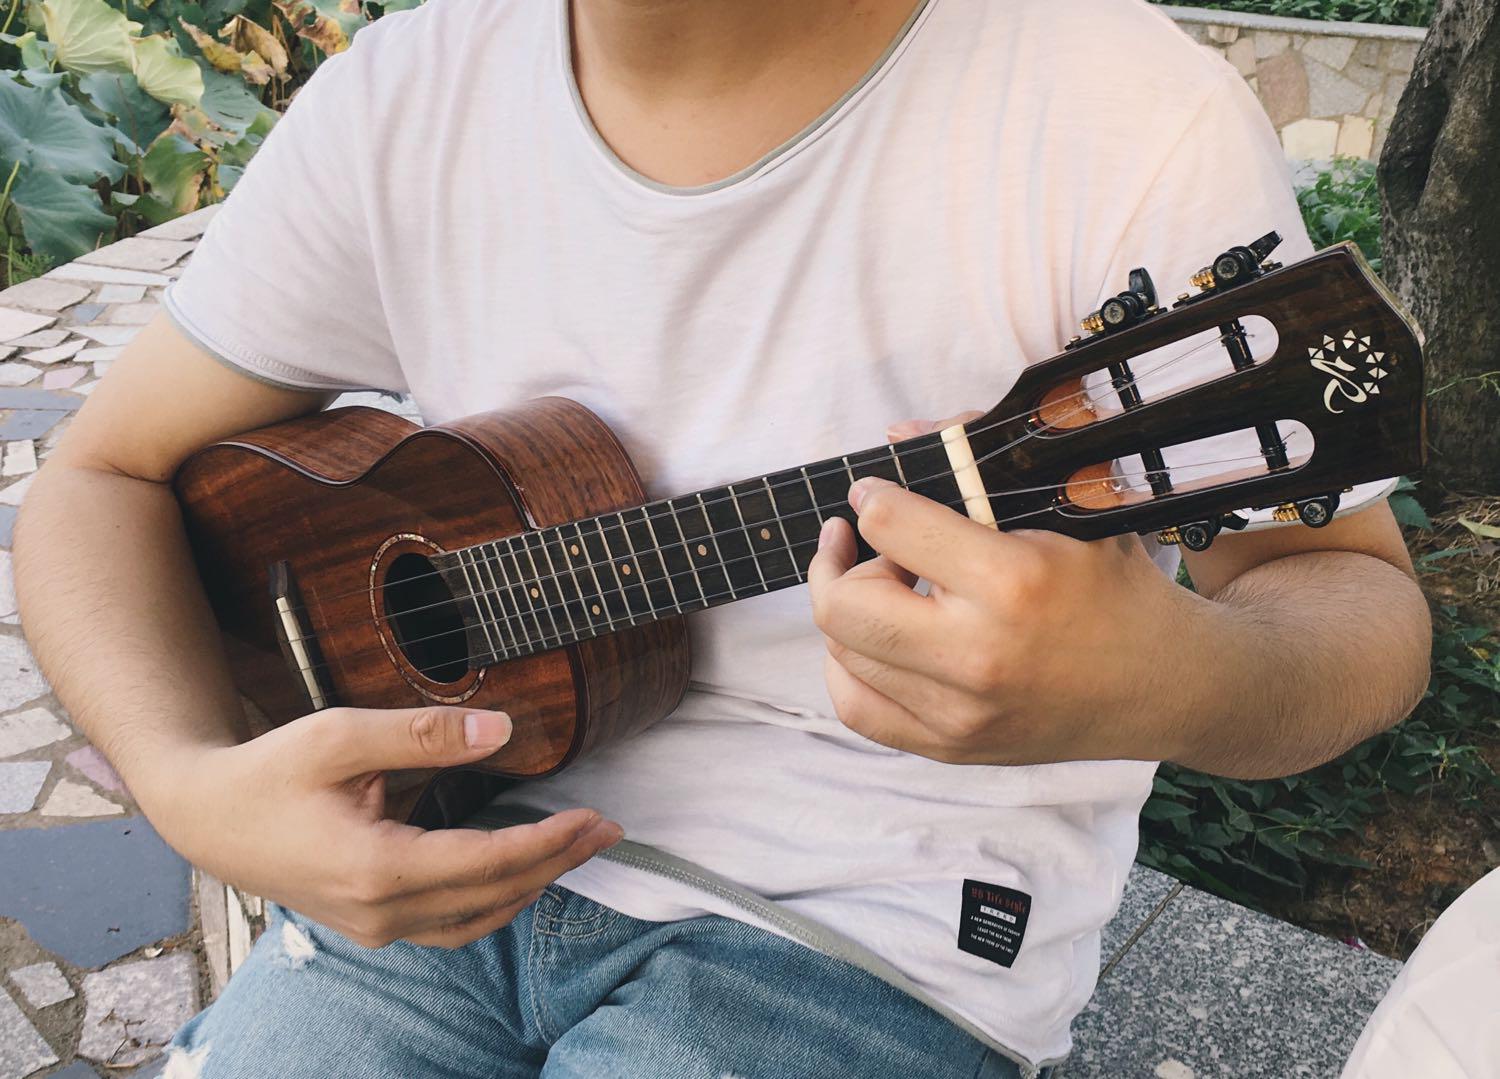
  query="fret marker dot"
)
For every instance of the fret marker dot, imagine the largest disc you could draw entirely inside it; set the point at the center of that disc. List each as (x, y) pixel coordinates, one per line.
(765, 533)
(595, 608)
(536, 593)
(702, 550)
(573, 550)
(625, 570)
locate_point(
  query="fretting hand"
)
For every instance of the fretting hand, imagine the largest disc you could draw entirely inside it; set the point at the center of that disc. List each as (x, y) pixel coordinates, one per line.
(1030, 647)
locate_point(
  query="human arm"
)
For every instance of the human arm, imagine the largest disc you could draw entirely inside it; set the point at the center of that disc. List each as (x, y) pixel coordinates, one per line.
(1032, 647)
(120, 625)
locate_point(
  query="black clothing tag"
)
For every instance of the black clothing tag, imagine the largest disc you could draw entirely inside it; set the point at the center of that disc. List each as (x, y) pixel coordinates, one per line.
(992, 921)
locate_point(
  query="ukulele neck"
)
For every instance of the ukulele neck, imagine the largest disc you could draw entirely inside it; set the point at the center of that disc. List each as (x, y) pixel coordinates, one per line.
(559, 585)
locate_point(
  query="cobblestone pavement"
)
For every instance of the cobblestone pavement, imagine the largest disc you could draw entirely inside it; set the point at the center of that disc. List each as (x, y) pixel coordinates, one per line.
(100, 959)
(108, 941)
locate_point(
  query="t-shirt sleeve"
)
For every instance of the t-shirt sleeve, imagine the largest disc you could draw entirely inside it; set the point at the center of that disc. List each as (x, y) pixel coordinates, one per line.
(1225, 182)
(284, 285)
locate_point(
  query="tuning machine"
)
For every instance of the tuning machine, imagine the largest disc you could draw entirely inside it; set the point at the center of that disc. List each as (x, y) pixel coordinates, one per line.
(1136, 304)
(1313, 512)
(1200, 535)
(1235, 267)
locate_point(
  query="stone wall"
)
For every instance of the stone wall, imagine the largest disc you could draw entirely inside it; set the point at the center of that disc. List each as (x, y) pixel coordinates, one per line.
(1329, 87)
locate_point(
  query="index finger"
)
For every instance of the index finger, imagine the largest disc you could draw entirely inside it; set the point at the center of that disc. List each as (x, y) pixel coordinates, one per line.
(456, 857)
(928, 538)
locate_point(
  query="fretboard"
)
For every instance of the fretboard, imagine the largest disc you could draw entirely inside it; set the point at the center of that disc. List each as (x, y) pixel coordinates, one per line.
(556, 586)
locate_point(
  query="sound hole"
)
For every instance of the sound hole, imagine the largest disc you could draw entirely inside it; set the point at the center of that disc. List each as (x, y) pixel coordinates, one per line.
(424, 619)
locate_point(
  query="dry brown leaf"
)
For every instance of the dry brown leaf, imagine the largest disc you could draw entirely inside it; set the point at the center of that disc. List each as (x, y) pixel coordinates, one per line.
(322, 31)
(248, 36)
(221, 56)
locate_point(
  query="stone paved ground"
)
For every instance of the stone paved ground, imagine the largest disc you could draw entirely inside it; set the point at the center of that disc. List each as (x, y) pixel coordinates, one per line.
(108, 942)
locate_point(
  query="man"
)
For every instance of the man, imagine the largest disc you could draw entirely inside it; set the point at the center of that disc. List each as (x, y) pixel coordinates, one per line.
(747, 235)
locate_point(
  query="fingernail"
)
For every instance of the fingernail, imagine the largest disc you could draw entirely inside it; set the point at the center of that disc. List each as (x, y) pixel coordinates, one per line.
(607, 834)
(486, 730)
(862, 488)
(825, 534)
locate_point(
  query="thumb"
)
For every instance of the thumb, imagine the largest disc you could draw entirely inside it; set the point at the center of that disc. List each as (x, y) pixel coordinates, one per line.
(350, 742)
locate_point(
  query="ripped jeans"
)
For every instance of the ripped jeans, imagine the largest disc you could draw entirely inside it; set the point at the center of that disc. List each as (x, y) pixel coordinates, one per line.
(569, 989)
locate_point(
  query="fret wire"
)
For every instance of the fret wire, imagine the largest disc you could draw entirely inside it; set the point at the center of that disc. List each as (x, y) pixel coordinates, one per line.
(530, 630)
(713, 537)
(583, 604)
(619, 584)
(509, 605)
(848, 470)
(483, 622)
(537, 577)
(687, 551)
(896, 457)
(556, 583)
(518, 576)
(813, 498)
(777, 517)
(749, 540)
(594, 573)
(497, 597)
(672, 588)
(636, 560)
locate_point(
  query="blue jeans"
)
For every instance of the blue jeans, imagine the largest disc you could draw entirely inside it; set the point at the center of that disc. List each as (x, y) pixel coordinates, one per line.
(569, 989)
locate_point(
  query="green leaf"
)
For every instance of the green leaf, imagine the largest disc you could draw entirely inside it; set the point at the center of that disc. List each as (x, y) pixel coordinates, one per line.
(46, 131)
(137, 115)
(36, 54)
(174, 169)
(1155, 809)
(1163, 786)
(62, 220)
(229, 175)
(229, 103)
(89, 34)
(1409, 511)
(149, 208)
(166, 74)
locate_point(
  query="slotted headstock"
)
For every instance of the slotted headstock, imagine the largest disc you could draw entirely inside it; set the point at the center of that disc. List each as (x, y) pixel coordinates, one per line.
(1315, 362)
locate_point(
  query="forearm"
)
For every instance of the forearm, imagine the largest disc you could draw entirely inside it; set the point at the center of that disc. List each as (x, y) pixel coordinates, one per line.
(1296, 660)
(118, 622)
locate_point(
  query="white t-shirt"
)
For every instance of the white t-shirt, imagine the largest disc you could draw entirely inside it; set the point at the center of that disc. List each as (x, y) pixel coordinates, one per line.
(436, 215)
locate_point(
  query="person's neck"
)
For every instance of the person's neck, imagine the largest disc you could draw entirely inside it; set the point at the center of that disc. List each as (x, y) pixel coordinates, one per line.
(686, 91)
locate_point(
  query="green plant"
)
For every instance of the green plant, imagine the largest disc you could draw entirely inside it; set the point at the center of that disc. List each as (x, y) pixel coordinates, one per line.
(1398, 12)
(118, 117)
(1343, 203)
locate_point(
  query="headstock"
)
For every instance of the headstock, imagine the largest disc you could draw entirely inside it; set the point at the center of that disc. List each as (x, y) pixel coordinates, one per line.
(1314, 362)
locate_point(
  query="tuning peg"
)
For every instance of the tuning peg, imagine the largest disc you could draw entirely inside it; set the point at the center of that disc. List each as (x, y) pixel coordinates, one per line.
(1135, 304)
(1195, 535)
(1313, 512)
(1238, 265)
(1317, 512)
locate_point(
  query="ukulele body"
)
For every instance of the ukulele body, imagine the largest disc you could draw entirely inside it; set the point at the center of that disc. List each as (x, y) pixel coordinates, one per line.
(333, 510)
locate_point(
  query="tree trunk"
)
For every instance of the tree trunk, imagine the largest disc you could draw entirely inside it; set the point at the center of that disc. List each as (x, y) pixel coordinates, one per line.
(1440, 195)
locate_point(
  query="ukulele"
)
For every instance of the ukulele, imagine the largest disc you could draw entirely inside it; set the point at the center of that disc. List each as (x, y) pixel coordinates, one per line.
(543, 582)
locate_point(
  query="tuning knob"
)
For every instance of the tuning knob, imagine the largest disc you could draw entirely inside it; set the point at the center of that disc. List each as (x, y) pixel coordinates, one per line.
(1317, 512)
(1199, 535)
(1135, 304)
(1285, 513)
(1195, 535)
